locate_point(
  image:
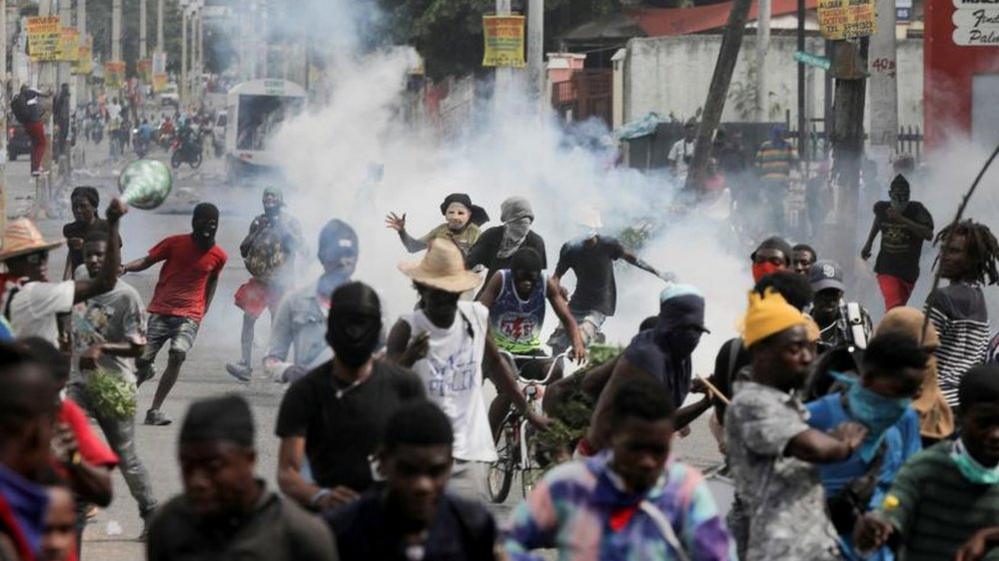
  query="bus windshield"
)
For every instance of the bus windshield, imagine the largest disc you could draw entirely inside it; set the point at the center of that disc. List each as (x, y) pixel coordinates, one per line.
(260, 116)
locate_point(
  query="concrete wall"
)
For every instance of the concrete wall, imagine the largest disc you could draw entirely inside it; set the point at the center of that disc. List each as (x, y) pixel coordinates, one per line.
(672, 74)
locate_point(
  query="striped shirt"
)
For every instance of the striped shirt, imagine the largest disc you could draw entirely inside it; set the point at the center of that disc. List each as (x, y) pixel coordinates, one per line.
(938, 509)
(958, 312)
(773, 161)
(579, 509)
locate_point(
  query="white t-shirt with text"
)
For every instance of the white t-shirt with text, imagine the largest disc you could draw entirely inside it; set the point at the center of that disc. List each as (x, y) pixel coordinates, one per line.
(452, 375)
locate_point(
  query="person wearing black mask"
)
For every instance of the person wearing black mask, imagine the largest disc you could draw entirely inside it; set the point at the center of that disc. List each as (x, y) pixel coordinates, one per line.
(335, 414)
(192, 264)
(301, 316)
(662, 353)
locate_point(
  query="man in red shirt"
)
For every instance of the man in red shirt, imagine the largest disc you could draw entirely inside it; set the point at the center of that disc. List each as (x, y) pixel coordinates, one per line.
(190, 273)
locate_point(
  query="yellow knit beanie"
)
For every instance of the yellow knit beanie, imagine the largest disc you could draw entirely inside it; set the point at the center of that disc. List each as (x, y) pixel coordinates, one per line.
(767, 315)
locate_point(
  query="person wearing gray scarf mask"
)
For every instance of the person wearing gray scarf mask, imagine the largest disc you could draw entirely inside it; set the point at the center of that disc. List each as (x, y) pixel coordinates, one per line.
(517, 217)
(495, 247)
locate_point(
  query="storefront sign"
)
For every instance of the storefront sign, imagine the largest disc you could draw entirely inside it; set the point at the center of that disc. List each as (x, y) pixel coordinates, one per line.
(43, 37)
(847, 19)
(114, 74)
(976, 26)
(504, 41)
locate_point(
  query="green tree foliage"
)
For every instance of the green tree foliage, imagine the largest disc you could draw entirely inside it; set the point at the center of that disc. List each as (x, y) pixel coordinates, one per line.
(448, 33)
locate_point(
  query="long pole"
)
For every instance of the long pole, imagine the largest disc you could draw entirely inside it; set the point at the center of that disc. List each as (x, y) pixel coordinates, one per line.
(848, 143)
(183, 57)
(884, 85)
(718, 91)
(82, 95)
(536, 48)
(143, 23)
(762, 46)
(116, 30)
(802, 117)
(159, 26)
(504, 74)
(3, 114)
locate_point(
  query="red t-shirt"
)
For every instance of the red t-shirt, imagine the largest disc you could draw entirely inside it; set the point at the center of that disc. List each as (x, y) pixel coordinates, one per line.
(180, 290)
(92, 448)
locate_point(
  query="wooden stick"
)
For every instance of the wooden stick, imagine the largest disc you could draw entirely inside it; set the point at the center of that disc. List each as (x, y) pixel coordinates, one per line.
(957, 220)
(717, 393)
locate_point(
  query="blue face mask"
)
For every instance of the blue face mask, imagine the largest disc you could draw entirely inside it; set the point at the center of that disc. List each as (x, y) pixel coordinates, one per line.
(874, 411)
(971, 469)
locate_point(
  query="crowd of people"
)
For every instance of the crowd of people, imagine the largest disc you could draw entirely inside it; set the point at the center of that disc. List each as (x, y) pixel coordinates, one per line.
(847, 436)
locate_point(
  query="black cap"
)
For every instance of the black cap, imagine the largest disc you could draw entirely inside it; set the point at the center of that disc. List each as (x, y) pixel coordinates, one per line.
(824, 274)
(219, 418)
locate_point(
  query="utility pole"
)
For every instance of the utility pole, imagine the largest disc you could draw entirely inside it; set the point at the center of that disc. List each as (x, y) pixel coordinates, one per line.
(718, 92)
(504, 74)
(802, 117)
(45, 80)
(850, 68)
(3, 114)
(536, 50)
(159, 26)
(81, 26)
(183, 55)
(143, 22)
(884, 87)
(762, 46)
(116, 30)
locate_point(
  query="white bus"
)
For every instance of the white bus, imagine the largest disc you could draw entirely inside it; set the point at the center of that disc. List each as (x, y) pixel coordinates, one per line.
(256, 109)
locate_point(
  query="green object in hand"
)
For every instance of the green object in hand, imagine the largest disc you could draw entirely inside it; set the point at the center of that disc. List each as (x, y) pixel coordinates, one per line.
(111, 395)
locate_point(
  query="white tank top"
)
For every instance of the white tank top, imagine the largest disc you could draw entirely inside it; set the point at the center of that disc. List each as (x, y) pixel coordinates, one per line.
(452, 376)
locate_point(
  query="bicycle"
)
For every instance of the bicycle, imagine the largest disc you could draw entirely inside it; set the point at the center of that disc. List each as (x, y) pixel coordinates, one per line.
(516, 446)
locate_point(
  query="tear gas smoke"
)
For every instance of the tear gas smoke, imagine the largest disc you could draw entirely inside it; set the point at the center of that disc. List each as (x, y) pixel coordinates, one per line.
(505, 150)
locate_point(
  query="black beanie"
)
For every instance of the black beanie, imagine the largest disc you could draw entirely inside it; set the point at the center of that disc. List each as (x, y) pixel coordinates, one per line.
(219, 418)
(775, 242)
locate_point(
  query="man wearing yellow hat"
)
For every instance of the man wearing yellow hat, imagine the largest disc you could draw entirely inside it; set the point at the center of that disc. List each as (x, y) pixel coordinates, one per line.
(30, 301)
(771, 449)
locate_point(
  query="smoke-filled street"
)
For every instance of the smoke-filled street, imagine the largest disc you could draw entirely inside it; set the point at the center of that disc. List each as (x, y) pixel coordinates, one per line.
(499, 280)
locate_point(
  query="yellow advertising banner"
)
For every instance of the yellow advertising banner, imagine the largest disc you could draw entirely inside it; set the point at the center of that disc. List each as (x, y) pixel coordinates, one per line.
(114, 74)
(145, 69)
(69, 42)
(159, 82)
(84, 63)
(847, 19)
(43, 37)
(504, 41)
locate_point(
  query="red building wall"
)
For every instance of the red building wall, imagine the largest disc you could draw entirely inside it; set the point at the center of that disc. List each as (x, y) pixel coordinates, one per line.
(948, 73)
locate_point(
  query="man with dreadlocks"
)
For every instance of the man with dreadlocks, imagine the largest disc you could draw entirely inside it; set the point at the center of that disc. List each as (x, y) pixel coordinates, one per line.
(968, 259)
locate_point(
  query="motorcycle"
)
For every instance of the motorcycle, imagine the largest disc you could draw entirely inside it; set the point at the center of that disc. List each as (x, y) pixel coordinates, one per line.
(139, 144)
(189, 151)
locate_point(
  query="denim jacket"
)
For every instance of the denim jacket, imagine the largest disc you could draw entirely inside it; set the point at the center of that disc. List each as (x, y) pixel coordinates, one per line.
(300, 322)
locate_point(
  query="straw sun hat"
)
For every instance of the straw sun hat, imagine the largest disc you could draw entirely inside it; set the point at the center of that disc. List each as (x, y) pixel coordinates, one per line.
(21, 237)
(442, 267)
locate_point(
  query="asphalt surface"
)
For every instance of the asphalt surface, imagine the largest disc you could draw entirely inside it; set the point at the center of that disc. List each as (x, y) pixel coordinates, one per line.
(111, 535)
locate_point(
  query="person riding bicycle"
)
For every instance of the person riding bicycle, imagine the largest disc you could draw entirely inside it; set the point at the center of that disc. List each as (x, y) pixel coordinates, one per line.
(516, 298)
(592, 258)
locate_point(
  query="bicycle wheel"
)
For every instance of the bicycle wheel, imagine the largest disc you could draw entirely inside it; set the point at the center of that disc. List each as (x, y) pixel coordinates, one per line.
(500, 475)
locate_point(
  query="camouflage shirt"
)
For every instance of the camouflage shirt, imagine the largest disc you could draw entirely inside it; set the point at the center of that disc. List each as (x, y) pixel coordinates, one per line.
(781, 495)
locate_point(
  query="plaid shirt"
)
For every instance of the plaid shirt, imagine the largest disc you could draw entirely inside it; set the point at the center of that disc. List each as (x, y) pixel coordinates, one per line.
(579, 509)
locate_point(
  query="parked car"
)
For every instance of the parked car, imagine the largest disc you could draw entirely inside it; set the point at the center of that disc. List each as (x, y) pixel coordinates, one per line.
(18, 141)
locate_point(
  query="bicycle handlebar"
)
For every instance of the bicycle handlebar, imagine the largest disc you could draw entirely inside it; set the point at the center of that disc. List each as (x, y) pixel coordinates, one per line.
(512, 359)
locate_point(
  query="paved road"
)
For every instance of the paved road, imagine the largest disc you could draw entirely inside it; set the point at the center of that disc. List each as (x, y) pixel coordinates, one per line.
(218, 342)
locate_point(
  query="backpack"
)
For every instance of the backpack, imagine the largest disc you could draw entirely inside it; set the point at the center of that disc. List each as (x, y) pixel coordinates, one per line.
(20, 109)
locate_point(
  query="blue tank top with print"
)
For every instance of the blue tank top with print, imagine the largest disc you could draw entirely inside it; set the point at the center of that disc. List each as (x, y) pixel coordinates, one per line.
(516, 323)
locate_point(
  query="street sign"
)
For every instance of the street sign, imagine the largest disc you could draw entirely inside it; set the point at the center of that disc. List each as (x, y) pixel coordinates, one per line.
(848, 19)
(976, 26)
(903, 10)
(813, 60)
